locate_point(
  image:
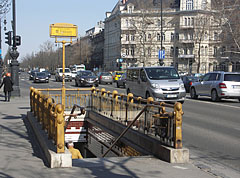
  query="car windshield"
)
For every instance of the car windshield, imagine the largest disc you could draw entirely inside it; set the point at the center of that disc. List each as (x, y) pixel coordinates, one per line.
(106, 74)
(87, 73)
(66, 71)
(232, 77)
(193, 78)
(119, 73)
(162, 73)
(41, 74)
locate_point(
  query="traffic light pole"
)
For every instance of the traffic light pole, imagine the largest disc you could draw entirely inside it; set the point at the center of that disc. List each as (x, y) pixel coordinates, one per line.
(14, 54)
(1, 60)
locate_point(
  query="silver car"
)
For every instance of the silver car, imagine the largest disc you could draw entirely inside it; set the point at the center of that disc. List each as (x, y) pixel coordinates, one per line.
(217, 85)
(161, 83)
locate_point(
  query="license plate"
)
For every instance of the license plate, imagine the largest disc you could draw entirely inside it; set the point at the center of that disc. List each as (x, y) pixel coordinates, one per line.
(171, 96)
(236, 86)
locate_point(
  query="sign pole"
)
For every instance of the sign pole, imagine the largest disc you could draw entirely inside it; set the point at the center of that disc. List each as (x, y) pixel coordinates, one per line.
(63, 76)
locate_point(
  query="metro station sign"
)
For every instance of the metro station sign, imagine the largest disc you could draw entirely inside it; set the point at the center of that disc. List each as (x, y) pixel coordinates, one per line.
(63, 30)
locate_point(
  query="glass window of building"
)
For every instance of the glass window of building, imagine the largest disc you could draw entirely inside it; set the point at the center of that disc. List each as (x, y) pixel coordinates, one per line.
(158, 37)
(127, 37)
(189, 4)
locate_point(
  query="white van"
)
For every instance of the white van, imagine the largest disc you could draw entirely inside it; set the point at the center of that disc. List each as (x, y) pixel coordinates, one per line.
(161, 83)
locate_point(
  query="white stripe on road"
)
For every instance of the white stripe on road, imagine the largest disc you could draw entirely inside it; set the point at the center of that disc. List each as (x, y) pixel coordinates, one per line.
(179, 167)
(217, 104)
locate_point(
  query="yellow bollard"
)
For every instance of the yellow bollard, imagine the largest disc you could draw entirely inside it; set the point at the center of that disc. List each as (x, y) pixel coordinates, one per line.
(178, 125)
(60, 128)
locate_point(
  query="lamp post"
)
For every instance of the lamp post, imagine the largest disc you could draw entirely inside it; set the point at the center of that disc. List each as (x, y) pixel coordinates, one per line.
(155, 2)
(14, 55)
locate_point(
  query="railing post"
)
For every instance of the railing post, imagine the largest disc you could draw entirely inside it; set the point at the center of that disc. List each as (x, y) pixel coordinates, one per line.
(149, 101)
(31, 98)
(114, 102)
(178, 125)
(60, 128)
(129, 100)
(101, 97)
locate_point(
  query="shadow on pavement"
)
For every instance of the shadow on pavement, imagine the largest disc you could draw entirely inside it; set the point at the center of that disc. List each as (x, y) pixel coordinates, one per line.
(3, 175)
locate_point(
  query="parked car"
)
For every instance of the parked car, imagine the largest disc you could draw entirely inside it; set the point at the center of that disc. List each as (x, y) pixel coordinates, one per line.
(105, 77)
(59, 74)
(188, 81)
(217, 85)
(116, 75)
(40, 77)
(121, 82)
(86, 78)
(31, 74)
(161, 83)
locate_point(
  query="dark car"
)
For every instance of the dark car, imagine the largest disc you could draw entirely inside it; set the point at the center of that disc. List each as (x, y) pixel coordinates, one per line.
(40, 77)
(86, 78)
(105, 77)
(188, 81)
(32, 74)
(121, 82)
(48, 73)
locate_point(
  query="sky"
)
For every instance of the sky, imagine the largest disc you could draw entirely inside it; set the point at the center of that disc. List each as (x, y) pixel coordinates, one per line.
(33, 18)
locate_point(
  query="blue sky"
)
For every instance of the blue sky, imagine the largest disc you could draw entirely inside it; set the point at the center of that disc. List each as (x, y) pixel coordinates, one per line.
(34, 17)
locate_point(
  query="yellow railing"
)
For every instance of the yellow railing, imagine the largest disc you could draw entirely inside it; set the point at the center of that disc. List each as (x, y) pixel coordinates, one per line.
(160, 120)
(50, 115)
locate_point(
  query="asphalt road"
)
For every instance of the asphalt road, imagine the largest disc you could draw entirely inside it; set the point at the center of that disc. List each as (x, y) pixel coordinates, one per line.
(211, 130)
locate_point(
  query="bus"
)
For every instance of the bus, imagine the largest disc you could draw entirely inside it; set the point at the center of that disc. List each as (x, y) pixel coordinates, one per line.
(76, 67)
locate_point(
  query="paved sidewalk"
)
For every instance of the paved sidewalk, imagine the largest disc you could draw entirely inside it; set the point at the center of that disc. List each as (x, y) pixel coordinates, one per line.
(21, 156)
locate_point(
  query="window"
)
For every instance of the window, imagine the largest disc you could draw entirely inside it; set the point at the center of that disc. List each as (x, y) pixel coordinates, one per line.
(127, 52)
(223, 50)
(189, 4)
(206, 50)
(189, 21)
(206, 77)
(127, 23)
(185, 51)
(132, 37)
(185, 36)
(159, 23)
(215, 51)
(215, 36)
(127, 37)
(172, 36)
(158, 37)
(171, 51)
(176, 51)
(185, 21)
(132, 51)
(213, 77)
(191, 36)
(191, 51)
(192, 23)
(177, 36)
(149, 51)
(130, 9)
(163, 36)
(202, 50)
(149, 36)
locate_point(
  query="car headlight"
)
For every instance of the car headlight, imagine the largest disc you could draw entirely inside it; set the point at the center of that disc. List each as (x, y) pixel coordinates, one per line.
(155, 85)
(81, 78)
(36, 78)
(96, 78)
(181, 85)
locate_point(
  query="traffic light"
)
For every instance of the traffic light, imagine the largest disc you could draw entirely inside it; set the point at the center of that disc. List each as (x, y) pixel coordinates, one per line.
(120, 66)
(17, 40)
(8, 38)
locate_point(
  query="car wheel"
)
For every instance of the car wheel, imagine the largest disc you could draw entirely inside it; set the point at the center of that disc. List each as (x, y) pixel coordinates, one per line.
(214, 96)
(110, 83)
(181, 102)
(124, 85)
(76, 84)
(193, 93)
(96, 85)
(239, 100)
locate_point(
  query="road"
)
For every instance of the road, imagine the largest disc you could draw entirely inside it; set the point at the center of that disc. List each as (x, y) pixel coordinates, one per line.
(211, 130)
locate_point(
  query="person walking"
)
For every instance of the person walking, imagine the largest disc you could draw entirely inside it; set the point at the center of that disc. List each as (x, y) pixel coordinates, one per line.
(75, 152)
(7, 82)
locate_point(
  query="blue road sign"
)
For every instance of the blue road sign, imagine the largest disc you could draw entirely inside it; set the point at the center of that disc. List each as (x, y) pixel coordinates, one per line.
(161, 54)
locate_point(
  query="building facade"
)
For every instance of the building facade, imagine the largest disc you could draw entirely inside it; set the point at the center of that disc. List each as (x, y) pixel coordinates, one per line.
(188, 32)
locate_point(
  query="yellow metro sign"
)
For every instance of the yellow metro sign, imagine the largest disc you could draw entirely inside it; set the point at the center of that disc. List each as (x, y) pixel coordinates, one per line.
(63, 30)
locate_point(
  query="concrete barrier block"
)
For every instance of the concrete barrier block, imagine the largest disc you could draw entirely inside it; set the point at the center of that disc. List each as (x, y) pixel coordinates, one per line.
(54, 159)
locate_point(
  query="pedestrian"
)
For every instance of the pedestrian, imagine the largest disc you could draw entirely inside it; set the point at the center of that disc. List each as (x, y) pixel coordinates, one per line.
(75, 152)
(7, 82)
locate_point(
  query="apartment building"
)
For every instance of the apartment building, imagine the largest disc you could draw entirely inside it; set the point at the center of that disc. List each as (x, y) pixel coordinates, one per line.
(189, 35)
